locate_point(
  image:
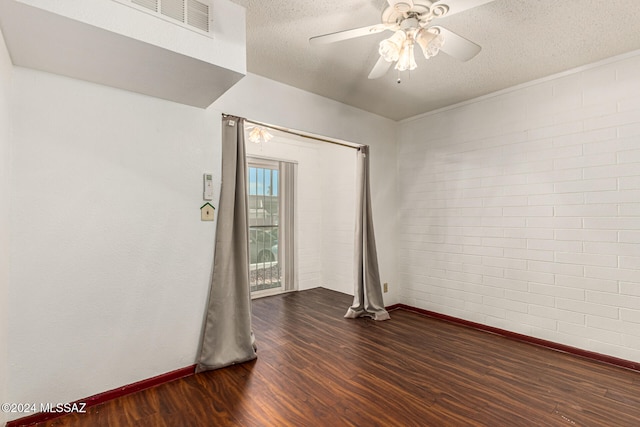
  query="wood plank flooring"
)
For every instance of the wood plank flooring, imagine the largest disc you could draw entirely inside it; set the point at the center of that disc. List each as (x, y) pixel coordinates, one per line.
(315, 368)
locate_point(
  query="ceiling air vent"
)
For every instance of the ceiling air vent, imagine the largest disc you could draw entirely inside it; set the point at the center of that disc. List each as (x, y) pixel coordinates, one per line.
(192, 14)
(198, 15)
(149, 4)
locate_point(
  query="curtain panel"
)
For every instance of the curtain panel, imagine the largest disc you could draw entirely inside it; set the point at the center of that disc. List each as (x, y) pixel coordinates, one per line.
(367, 300)
(227, 336)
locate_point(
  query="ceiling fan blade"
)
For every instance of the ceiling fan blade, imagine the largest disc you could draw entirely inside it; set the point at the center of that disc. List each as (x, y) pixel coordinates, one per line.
(380, 69)
(457, 46)
(348, 34)
(457, 6)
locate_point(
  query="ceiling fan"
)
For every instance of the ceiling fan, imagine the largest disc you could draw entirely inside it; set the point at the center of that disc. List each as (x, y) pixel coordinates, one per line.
(410, 21)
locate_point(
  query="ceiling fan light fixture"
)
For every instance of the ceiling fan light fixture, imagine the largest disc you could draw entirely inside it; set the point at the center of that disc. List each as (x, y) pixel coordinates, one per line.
(407, 60)
(410, 21)
(259, 134)
(390, 48)
(430, 42)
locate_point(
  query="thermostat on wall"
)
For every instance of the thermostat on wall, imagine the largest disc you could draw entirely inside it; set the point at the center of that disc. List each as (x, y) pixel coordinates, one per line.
(208, 187)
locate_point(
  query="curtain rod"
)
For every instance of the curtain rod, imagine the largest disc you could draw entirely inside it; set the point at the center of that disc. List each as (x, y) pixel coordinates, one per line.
(303, 135)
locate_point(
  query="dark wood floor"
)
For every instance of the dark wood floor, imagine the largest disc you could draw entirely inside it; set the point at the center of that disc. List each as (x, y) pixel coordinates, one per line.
(315, 368)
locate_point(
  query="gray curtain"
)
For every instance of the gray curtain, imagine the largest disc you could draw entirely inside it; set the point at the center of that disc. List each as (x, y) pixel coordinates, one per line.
(227, 336)
(288, 221)
(367, 300)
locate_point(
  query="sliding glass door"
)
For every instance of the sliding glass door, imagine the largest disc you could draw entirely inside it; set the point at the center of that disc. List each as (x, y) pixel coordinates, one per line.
(270, 226)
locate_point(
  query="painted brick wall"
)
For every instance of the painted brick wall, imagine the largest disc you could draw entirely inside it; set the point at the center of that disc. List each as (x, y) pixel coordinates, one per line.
(338, 217)
(521, 210)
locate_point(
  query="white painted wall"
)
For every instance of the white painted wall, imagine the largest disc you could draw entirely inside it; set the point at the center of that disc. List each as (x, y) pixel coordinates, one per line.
(110, 261)
(521, 210)
(264, 100)
(338, 217)
(6, 72)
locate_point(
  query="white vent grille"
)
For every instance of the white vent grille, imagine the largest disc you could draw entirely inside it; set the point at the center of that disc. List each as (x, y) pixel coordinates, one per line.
(198, 15)
(173, 9)
(149, 4)
(192, 14)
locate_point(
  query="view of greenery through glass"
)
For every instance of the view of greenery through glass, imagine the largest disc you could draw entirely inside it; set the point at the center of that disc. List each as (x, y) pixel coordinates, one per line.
(265, 271)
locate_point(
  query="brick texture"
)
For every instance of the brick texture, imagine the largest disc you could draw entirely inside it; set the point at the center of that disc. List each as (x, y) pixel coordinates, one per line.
(522, 210)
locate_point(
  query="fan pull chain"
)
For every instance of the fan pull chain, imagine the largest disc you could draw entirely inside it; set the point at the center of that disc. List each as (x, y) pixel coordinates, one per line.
(399, 79)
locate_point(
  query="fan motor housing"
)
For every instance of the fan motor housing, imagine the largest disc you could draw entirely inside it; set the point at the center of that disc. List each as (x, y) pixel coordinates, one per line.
(421, 10)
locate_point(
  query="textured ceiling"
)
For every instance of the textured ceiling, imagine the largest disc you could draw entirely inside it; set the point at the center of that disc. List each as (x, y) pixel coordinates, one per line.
(522, 40)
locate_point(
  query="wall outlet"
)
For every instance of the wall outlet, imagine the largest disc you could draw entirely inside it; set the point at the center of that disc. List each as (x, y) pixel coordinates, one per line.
(385, 287)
